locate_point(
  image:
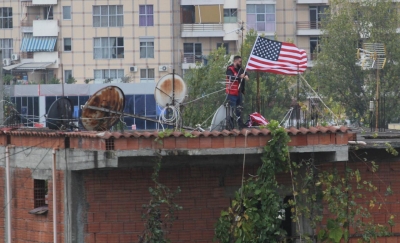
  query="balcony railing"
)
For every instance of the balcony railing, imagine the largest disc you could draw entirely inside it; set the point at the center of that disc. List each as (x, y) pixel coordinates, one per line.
(27, 55)
(307, 25)
(191, 58)
(27, 23)
(202, 27)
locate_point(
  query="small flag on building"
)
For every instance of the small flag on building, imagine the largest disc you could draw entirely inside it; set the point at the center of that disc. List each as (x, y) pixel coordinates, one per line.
(277, 57)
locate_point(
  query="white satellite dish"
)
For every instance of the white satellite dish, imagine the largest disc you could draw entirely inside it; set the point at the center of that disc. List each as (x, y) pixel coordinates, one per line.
(166, 89)
(219, 120)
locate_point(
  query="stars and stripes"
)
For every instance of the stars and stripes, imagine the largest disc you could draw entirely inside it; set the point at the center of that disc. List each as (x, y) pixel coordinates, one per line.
(277, 57)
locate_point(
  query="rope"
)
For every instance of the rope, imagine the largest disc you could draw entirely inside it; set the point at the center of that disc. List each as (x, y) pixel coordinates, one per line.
(244, 162)
(204, 96)
(174, 117)
(288, 114)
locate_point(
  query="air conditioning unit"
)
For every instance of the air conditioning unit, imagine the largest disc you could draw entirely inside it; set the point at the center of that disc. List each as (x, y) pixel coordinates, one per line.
(162, 68)
(133, 69)
(15, 57)
(6, 62)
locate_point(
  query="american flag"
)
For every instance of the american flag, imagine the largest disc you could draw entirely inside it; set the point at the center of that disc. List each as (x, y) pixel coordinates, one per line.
(277, 57)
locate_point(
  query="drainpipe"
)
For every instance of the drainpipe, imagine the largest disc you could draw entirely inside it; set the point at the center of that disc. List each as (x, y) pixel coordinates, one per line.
(8, 185)
(54, 197)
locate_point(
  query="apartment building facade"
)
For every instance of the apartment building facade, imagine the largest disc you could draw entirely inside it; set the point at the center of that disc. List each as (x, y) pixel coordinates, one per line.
(140, 41)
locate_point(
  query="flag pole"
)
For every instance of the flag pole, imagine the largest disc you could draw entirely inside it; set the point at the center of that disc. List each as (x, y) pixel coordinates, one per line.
(247, 64)
(298, 98)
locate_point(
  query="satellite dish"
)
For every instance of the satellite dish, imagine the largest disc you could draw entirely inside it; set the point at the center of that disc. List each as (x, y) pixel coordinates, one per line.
(110, 98)
(219, 120)
(165, 90)
(59, 114)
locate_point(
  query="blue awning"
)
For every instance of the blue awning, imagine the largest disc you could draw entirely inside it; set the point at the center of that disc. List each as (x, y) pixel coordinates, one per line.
(38, 44)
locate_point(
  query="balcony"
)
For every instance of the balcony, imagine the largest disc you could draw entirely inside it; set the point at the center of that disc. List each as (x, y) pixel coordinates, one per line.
(202, 2)
(312, 1)
(45, 28)
(27, 26)
(44, 2)
(308, 28)
(190, 60)
(202, 30)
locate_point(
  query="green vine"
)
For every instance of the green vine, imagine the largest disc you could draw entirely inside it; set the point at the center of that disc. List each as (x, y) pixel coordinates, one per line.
(160, 211)
(254, 215)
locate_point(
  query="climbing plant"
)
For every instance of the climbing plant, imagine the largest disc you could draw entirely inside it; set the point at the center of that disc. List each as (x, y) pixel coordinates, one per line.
(254, 215)
(159, 213)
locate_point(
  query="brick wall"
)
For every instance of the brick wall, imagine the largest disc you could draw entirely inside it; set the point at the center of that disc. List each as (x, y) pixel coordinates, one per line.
(28, 227)
(115, 199)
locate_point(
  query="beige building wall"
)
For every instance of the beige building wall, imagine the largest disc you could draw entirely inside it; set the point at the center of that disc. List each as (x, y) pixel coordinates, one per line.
(167, 32)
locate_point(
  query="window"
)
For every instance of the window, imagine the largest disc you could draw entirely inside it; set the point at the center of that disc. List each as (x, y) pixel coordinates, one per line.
(147, 48)
(261, 17)
(108, 48)
(317, 14)
(67, 44)
(6, 18)
(225, 45)
(147, 75)
(6, 46)
(66, 12)
(48, 13)
(67, 75)
(230, 15)
(192, 52)
(108, 16)
(314, 47)
(40, 191)
(108, 75)
(146, 17)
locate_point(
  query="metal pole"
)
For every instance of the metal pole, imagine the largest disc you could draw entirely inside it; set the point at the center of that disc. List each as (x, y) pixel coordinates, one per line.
(173, 87)
(1, 89)
(258, 93)
(54, 198)
(377, 101)
(298, 98)
(8, 181)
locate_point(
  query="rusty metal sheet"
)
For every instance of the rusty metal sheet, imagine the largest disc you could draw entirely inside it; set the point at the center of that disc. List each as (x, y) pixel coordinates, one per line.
(165, 89)
(111, 98)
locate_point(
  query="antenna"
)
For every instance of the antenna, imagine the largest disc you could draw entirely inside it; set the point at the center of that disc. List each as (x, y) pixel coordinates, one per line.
(59, 114)
(103, 109)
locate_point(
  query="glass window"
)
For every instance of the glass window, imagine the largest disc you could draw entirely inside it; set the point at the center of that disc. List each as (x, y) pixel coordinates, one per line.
(230, 15)
(192, 52)
(67, 44)
(6, 46)
(66, 12)
(147, 75)
(146, 49)
(261, 17)
(146, 15)
(48, 13)
(108, 75)
(67, 75)
(108, 48)
(108, 16)
(225, 45)
(6, 18)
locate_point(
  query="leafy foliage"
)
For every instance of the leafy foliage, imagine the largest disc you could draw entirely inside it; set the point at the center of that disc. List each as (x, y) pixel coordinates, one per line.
(349, 24)
(71, 80)
(343, 194)
(255, 211)
(160, 211)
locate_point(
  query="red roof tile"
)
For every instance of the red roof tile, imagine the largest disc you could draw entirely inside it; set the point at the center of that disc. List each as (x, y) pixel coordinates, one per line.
(43, 132)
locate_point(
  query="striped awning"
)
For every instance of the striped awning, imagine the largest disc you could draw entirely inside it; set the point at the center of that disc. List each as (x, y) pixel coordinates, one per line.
(38, 44)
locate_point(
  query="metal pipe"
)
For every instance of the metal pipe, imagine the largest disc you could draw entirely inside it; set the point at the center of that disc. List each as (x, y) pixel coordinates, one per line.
(54, 198)
(8, 182)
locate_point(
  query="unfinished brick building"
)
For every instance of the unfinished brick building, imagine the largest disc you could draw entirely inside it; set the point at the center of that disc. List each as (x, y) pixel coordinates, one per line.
(102, 179)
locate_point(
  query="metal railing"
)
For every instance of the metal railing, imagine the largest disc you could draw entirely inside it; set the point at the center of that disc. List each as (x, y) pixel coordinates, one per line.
(192, 58)
(202, 27)
(306, 25)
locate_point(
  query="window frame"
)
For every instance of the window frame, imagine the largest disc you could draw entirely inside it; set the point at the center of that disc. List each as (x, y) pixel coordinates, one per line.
(63, 12)
(264, 14)
(144, 44)
(106, 74)
(110, 48)
(65, 75)
(232, 15)
(118, 15)
(6, 22)
(147, 78)
(193, 55)
(39, 193)
(9, 49)
(146, 15)
(70, 45)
